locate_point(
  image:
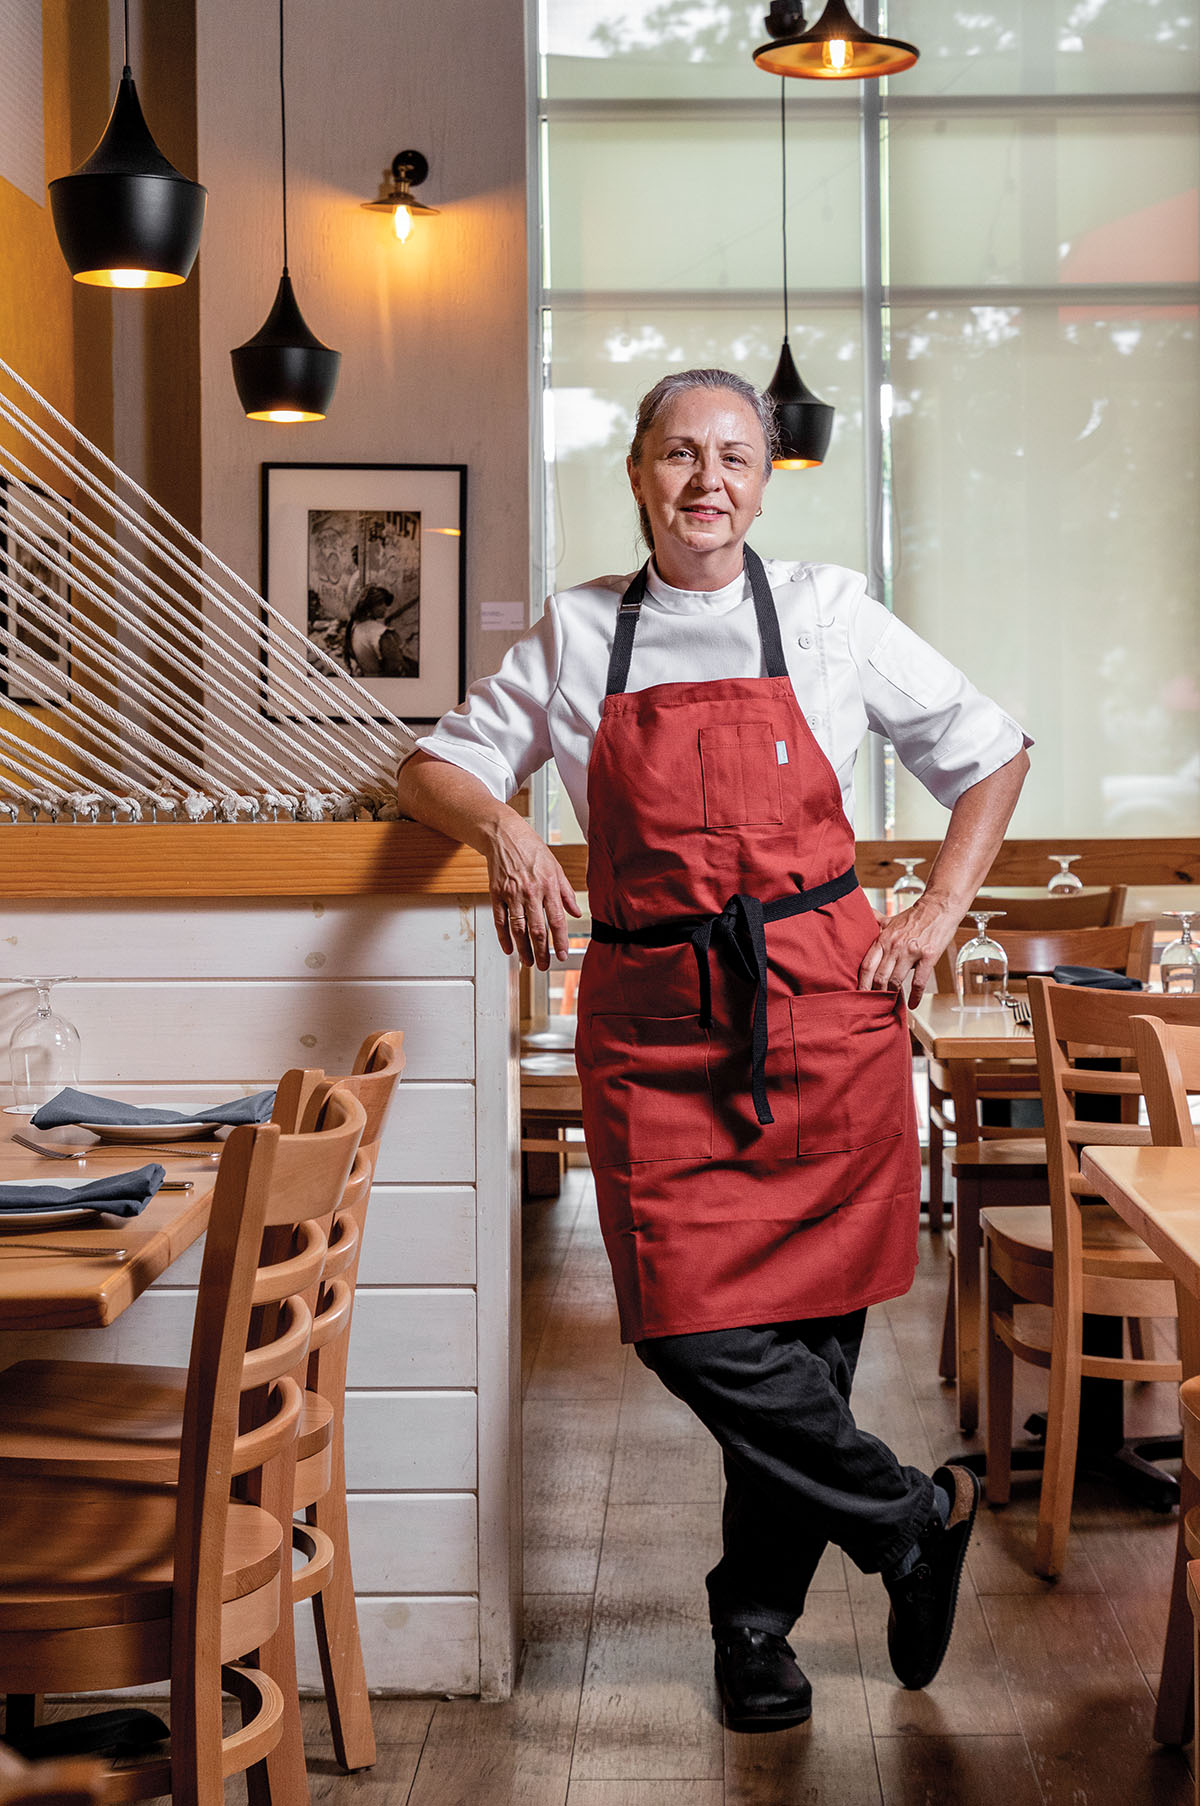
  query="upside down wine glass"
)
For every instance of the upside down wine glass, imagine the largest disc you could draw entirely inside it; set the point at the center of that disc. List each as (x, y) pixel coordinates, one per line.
(1179, 964)
(43, 1052)
(981, 969)
(1064, 883)
(907, 889)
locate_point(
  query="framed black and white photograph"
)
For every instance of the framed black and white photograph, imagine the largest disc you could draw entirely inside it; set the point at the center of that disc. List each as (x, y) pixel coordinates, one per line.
(367, 562)
(35, 596)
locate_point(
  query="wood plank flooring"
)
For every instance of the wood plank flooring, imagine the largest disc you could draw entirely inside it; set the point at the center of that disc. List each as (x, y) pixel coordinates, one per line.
(1046, 1698)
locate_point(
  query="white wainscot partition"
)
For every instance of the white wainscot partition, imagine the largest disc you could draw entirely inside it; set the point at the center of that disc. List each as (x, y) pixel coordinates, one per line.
(179, 1003)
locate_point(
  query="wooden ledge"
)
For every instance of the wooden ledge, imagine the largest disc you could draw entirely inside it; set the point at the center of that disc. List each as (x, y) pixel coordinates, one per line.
(217, 859)
(313, 859)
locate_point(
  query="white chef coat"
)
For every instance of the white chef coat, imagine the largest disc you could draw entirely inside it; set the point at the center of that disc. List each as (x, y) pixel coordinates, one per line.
(853, 666)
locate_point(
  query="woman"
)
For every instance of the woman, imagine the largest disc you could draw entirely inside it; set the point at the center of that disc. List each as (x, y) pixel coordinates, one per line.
(742, 1044)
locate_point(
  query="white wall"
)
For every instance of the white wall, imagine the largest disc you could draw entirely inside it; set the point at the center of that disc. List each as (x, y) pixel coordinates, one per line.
(433, 334)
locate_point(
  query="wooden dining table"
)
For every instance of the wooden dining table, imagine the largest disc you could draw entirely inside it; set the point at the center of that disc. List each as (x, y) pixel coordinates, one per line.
(1156, 1190)
(42, 1288)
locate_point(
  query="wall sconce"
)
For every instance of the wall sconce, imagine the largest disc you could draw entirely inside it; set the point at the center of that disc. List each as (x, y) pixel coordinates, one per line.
(409, 170)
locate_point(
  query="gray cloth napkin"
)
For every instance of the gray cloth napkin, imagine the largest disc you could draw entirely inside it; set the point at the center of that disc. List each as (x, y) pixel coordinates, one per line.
(80, 1106)
(117, 1194)
(1095, 978)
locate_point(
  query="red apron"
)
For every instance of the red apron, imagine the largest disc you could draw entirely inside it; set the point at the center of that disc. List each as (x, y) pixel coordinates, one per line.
(748, 1110)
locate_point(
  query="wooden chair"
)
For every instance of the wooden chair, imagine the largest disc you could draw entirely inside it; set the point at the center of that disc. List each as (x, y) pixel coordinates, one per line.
(953, 1109)
(96, 1419)
(1077, 1257)
(1168, 1058)
(1085, 909)
(127, 1581)
(996, 1165)
(75, 1781)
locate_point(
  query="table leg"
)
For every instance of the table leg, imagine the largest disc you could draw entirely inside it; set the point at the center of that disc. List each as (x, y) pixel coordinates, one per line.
(968, 1240)
(1173, 1716)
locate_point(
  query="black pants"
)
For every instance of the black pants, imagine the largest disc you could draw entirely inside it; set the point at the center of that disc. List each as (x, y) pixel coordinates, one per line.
(799, 1473)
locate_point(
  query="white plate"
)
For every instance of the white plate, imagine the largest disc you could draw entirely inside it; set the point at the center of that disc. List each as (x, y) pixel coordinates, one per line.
(139, 1132)
(42, 1218)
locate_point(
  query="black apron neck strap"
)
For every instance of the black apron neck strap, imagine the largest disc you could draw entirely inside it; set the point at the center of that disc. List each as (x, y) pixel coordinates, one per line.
(622, 646)
(630, 609)
(769, 635)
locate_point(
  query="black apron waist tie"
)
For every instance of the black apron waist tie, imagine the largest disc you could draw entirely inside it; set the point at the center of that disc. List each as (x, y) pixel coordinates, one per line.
(737, 934)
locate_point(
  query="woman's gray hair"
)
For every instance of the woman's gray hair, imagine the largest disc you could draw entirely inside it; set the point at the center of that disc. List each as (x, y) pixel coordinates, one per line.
(679, 382)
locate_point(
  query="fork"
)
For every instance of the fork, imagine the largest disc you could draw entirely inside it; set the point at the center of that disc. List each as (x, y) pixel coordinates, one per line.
(1021, 1015)
(61, 1248)
(119, 1153)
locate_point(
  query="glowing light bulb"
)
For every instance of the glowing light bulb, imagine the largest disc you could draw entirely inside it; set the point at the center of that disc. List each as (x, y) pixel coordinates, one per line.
(402, 219)
(836, 53)
(129, 278)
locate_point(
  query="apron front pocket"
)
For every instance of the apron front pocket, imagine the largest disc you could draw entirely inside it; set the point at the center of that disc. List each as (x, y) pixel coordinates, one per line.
(739, 765)
(853, 1068)
(645, 1088)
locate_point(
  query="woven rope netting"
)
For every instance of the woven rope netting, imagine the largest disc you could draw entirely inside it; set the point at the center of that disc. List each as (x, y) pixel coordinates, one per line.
(140, 677)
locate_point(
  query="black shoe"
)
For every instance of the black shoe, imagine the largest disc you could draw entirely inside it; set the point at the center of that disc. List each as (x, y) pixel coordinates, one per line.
(923, 1601)
(762, 1686)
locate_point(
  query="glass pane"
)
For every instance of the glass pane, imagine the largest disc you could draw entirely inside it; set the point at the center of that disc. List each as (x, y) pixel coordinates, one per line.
(645, 204)
(601, 365)
(976, 202)
(1048, 46)
(1046, 469)
(633, 49)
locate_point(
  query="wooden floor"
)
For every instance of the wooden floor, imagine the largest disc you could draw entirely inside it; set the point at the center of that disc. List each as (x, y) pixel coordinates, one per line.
(1046, 1694)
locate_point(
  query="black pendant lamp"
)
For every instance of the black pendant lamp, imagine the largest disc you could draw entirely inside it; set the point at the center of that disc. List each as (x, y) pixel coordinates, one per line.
(803, 422)
(835, 49)
(127, 218)
(284, 373)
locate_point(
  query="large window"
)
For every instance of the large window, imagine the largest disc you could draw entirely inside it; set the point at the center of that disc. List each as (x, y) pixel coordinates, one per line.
(995, 278)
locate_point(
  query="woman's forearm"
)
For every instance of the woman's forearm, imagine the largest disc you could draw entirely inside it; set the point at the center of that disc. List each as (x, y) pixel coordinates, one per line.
(453, 801)
(531, 897)
(978, 822)
(914, 940)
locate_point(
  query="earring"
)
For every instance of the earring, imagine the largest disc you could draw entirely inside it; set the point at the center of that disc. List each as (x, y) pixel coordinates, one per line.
(757, 513)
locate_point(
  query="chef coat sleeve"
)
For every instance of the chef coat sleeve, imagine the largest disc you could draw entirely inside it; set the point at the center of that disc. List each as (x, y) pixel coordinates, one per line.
(945, 731)
(500, 731)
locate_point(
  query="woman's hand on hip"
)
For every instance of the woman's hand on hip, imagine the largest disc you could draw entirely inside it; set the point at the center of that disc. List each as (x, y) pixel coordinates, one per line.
(531, 896)
(910, 942)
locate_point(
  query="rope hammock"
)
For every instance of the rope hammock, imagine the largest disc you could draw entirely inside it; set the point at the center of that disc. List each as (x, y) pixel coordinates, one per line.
(141, 678)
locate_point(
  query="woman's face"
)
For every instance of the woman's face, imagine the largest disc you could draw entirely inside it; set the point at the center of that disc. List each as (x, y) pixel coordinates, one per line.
(701, 475)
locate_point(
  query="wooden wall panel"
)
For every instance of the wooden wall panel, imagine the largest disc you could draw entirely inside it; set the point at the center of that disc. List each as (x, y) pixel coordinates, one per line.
(423, 1336)
(419, 1235)
(422, 1543)
(410, 1645)
(430, 1136)
(131, 1030)
(412, 1441)
(277, 937)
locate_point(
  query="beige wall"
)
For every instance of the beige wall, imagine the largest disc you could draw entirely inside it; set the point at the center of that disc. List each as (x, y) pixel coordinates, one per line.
(433, 334)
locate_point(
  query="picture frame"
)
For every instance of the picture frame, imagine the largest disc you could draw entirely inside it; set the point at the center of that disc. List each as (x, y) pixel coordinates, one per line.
(368, 562)
(28, 524)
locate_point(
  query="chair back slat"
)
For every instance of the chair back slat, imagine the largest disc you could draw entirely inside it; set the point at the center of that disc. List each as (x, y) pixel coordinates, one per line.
(1127, 949)
(1168, 1056)
(297, 1271)
(1094, 909)
(337, 1302)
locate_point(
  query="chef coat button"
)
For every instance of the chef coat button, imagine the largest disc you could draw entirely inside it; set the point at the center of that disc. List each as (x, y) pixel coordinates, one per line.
(806, 640)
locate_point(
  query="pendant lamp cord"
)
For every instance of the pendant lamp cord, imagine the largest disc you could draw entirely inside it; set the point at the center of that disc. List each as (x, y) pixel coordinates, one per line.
(282, 136)
(127, 69)
(783, 167)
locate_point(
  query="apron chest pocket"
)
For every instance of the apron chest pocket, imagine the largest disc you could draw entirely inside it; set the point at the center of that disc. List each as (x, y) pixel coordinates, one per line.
(739, 767)
(645, 1088)
(853, 1069)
